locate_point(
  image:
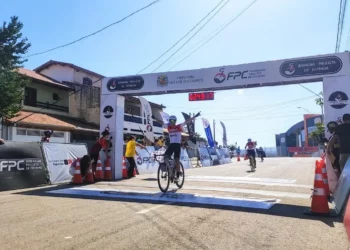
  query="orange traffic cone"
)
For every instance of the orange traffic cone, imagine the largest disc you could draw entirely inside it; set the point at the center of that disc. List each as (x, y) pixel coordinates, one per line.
(325, 177)
(89, 178)
(108, 170)
(238, 158)
(246, 157)
(77, 178)
(99, 172)
(319, 203)
(125, 171)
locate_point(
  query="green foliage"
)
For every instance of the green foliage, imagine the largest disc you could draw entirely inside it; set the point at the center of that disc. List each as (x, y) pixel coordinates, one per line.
(319, 101)
(232, 147)
(12, 49)
(318, 134)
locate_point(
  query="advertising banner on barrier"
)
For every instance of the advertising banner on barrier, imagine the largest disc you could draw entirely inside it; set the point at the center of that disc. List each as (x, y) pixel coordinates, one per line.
(147, 165)
(341, 192)
(59, 157)
(227, 155)
(214, 156)
(21, 165)
(145, 162)
(336, 92)
(185, 160)
(221, 155)
(204, 157)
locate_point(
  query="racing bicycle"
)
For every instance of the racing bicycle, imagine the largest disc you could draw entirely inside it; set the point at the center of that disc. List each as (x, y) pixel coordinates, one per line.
(167, 172)
(252, 163)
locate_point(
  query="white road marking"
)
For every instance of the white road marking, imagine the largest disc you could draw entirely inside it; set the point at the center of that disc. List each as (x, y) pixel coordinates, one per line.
(249, 175)
(172, 197)
(68, 237)
(153, 208)
(252, 191)
(252, 182)
(254, 179)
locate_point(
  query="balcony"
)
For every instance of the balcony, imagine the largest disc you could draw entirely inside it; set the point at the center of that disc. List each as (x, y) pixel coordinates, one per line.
(134, 124)
(47, 105)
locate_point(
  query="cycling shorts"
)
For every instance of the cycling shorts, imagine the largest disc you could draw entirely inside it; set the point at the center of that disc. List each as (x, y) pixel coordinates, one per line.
(174, 148)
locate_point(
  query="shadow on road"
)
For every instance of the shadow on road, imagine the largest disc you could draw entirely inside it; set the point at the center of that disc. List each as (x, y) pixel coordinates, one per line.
(283, 210)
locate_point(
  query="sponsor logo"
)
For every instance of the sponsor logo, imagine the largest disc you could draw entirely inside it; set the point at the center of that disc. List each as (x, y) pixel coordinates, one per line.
(162, 80)
(144, 160)
(149, 128)
(125, 83)
(311, 66)
(220, 77)
(338, 100)
(108, 112)
(20, 165)
(139, 160)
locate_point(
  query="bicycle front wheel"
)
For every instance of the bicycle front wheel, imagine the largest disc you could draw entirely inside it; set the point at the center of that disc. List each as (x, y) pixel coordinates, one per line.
(163, 178)
(181, 180)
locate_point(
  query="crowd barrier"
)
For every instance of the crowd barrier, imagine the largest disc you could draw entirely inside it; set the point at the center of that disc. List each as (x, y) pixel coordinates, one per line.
(59, 157)
(29, 164)
(21, 165)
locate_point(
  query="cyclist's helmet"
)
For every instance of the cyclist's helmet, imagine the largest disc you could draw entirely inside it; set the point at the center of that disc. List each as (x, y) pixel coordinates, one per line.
(249, 140)
(172, 119)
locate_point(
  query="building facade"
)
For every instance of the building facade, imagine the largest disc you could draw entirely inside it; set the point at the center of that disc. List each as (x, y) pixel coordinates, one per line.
(66, 98)
(296, 140)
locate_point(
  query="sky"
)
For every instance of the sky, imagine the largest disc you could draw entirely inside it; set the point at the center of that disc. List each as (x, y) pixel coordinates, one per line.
(269, 30)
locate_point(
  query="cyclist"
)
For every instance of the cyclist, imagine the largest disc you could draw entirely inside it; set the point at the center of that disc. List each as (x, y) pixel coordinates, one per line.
(175, 131)
(250, 147)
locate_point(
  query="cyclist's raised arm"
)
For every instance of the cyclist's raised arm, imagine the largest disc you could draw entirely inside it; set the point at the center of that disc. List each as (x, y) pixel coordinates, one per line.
(191, 119)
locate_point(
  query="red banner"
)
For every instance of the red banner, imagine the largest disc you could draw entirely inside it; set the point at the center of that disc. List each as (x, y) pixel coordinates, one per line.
(302, 149)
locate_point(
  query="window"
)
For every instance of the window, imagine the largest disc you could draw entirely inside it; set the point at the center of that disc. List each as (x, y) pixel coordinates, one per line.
(21, 131)
(30, 96)
(33, 132)
(87, 81)
(58, 134)
(55, 97)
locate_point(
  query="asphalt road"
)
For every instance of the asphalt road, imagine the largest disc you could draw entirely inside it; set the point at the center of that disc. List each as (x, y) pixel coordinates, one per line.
(214, 210)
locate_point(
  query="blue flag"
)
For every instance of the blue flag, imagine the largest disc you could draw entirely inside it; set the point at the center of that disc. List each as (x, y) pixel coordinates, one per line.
(207, 130)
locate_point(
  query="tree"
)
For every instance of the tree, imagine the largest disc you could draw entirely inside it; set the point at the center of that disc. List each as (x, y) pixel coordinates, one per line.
(12, 49)
(199, 138)
(319, 133)
(232, 147)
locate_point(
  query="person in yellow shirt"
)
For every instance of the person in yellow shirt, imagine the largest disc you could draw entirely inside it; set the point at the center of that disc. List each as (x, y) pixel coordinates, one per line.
(130, 153)
(160, 143)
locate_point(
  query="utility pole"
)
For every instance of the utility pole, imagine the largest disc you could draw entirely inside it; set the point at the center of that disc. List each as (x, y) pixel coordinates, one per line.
(214, 130)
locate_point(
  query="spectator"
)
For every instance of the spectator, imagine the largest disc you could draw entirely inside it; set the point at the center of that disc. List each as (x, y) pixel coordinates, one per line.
(101, 144)
(2, 141)
(159, 143)
(47, 136)
(130, 154)
(331, 126)
(85, 163)
(238, 151)
(342, 132)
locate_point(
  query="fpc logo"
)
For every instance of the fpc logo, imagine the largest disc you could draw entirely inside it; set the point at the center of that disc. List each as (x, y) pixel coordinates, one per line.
(220, 77)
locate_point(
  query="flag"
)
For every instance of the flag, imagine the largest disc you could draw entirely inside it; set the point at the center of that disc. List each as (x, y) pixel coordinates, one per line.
(190, 128)
(207, 130)
(224, 138)
(165, 117)
(146, 113)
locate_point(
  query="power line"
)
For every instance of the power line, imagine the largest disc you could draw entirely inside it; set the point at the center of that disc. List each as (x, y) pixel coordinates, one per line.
(342, 10)
(96, 32)
(181, 38)
(310, 90)
(192, 36)
(218, 32)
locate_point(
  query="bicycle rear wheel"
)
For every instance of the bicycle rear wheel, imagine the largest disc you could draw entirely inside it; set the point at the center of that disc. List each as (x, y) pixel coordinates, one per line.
(163, 178)
(181, 180)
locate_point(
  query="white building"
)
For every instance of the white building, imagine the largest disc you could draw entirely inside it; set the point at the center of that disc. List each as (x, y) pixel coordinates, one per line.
(75, 114)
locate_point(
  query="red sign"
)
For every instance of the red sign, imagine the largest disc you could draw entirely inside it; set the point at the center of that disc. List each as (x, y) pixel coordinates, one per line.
(302, 149)
(202, 96)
